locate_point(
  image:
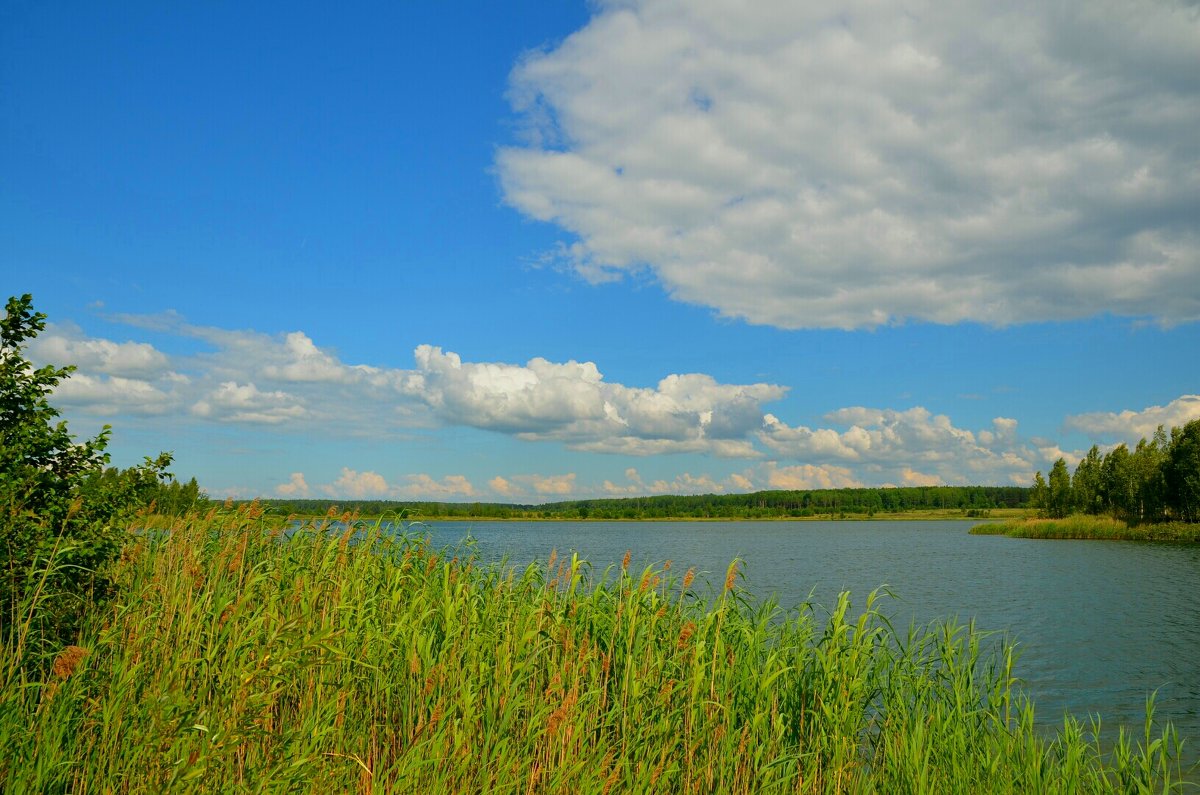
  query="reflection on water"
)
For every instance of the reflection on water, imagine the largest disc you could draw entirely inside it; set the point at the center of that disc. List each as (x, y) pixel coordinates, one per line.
(1100, 624)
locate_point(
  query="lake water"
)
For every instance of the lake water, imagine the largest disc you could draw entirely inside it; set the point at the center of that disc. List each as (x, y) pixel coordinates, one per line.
(1100, 624)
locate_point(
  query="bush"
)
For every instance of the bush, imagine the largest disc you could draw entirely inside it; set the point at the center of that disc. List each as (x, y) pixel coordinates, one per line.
(58, 536)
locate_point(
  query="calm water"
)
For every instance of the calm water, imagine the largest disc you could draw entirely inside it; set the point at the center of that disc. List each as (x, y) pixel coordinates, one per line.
(1100, 624)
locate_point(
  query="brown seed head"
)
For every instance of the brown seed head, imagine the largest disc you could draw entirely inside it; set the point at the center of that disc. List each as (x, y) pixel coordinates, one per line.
(625, 560)
(68, 660)
(685, 634)
(689, 578)
(731, 576)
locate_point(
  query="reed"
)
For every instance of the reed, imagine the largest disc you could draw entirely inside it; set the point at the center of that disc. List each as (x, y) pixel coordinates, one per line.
(1102, 528)
(240, 658)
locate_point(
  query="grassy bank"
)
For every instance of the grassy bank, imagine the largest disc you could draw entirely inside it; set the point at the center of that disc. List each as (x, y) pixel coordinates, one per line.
(238, 659)
(1103, 528)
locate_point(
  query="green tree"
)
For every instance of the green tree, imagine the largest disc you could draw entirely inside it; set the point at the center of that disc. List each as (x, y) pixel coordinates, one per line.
(1059, 498)
(1181, 472)
(1086, 483)
(57, 536)
(1120, 486)
(1039, 498)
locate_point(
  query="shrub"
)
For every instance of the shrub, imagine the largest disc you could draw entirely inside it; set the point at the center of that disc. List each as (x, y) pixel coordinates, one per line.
(57, 536)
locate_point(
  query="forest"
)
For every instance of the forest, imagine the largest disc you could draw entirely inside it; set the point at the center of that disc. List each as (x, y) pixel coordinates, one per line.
(971, 501)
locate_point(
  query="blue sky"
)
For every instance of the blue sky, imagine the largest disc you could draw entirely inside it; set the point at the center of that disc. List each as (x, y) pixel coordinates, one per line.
(533, 251)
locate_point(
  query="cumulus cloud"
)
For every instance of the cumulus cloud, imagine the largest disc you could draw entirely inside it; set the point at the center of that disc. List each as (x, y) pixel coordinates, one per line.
(423, 486)
(889, 442)
(61, 345)
(251, 377)
(827, 164)
(501, 486)
(685, 483)
(911, 477)
(236, 402)
(106, 396)
(1131, 426)
(111, 378)
(361, 485)
(571, 402)
(538, 485)
(810, 476)
(559, 485)
(290, 383)
(296, 486)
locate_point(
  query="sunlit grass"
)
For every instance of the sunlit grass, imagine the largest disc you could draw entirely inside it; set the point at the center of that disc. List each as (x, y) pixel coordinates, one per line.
(239, 659)
(1080, 526)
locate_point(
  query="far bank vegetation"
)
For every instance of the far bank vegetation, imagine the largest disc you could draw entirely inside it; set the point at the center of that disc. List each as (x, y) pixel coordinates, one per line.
(1150, 493)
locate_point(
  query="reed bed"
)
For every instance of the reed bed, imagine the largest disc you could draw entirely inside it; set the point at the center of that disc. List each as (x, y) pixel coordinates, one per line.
(1101, 528)
(242, 659)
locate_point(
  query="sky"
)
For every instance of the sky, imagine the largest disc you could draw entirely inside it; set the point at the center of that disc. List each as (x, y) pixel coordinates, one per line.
(531, 251)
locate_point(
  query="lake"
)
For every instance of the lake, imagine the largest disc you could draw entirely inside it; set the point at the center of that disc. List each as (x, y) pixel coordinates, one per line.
(1100, 624)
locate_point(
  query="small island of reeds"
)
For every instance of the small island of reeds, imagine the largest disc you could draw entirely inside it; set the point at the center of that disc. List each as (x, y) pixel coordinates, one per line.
(1104, 528)
(238, 656)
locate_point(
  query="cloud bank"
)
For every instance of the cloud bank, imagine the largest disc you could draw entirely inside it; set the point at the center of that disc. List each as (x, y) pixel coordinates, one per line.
(1130, 426)
(820, 164)
(289, 384)
(571, 402)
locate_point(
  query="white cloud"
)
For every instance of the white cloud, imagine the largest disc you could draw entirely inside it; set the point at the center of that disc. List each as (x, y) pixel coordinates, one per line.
(425, 487)
(559, 487)
(298, 359)
(296, 486)
(685, 483)
(571, 402)
(1130, 426)
(250, 377)
(288, 382)
(236, 402)
(810, 476)
(104, 395)
(911, 477)
(361, 485)
(111, 378)
(501, 486)
(834, 164)
(62, 345)
(888, 443)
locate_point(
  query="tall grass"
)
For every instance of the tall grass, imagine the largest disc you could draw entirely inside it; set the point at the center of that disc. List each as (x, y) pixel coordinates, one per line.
(1102, 528)
(241, 659)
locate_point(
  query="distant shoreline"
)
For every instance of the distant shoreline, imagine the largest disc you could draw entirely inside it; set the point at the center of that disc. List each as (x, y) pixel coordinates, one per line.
(915, 516)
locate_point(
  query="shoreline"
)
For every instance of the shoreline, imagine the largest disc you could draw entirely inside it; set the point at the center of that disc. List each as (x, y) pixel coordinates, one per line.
(922, 517)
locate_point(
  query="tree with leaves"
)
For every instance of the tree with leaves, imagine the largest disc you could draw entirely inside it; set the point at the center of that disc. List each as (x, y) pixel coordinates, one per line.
(1059, 499)
(56, 537)
(1086, 485)
(1181, 472)
(1039, 498)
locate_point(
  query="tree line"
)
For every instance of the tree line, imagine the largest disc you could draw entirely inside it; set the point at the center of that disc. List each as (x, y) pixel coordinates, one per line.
(1158, 481)
(855, 503)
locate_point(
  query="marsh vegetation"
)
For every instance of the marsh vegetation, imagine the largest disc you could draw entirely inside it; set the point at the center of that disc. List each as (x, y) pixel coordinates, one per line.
(236, 657)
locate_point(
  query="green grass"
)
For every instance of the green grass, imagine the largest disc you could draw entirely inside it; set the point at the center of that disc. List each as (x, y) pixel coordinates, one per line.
(239, 659)
(1091, 527)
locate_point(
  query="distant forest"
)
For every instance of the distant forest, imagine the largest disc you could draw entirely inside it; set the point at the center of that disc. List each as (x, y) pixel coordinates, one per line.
(850, 503)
